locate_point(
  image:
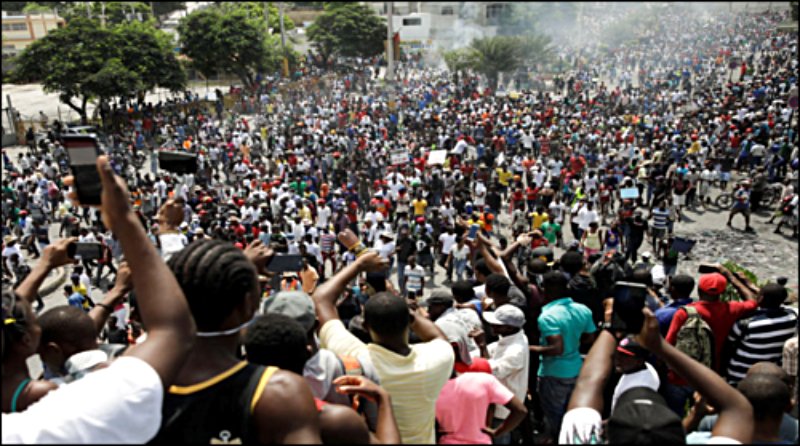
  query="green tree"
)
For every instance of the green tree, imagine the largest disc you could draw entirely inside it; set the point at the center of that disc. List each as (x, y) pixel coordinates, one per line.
(161, 9)
(495, 55)
(536, 49)
(83, 61)
(34, 8)
(230, 41)
(255, 10)
(348, 29)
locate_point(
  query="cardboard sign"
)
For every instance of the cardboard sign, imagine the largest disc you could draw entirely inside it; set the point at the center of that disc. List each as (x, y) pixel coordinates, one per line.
(399, 157)
(437, 157)
(629, 193)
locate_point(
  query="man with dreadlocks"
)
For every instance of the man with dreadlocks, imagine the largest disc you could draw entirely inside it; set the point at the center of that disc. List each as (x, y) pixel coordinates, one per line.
(217, 397)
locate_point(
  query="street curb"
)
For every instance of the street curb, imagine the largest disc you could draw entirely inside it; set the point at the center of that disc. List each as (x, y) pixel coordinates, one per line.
(48, 288)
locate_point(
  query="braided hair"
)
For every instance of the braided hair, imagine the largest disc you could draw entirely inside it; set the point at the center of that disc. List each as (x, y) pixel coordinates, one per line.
(14, 323)
(215, 276)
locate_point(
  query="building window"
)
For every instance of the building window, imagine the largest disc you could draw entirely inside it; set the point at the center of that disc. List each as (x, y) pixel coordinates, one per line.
(415, 21)
(494, 11)
(447, 10)
(15, 27)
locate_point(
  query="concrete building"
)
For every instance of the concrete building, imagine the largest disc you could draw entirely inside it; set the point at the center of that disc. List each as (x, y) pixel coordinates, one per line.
(20, 30)
(431, 25)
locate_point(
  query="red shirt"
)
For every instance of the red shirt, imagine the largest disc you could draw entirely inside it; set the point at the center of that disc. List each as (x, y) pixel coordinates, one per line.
(479, 365)
(720, 316)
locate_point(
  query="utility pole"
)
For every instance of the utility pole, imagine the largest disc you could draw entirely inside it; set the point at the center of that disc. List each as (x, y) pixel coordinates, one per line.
(389, 45)
(283, 41)
(102, 14)
(88, 9)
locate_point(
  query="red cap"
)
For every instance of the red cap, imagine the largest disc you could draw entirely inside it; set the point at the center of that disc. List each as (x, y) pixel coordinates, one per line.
(713, 284)
(238, 245)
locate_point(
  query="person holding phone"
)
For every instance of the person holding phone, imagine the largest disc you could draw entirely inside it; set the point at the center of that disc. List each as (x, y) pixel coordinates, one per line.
(123, 402)
(641, 414)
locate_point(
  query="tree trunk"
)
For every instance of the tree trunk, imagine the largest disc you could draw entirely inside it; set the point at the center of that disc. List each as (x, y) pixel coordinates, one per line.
(81, 110)
(84, 119)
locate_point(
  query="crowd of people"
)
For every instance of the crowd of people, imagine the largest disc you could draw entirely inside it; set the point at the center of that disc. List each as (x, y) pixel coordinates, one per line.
(438, 296)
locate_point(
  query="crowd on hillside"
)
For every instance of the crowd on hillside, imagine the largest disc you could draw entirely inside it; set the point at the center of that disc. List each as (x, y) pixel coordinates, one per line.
(460, 254)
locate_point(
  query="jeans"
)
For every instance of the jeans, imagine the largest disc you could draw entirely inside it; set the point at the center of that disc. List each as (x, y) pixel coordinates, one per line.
(676, 397)
(503, 439)
(461, 265)
(554, 394)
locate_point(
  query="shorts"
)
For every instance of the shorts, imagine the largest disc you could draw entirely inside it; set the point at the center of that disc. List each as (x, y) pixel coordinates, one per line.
(678, 200)
(740, 210)
(725, 176)
(659, 233)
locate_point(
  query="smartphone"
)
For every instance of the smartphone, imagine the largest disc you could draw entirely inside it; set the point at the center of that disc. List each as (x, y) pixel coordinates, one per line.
(707, 268)
(377, 281)
(177, 162)
(285, 262)
(83, 151)
(629, 299)
(85, 250)
(473, 232)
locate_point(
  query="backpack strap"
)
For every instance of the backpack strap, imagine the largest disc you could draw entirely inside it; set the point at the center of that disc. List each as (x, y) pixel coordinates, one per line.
(351, 365)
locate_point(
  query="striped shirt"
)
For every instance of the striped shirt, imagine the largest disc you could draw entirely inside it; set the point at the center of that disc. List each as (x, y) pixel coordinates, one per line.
(660, 218)
(760, 338)
(327, 242)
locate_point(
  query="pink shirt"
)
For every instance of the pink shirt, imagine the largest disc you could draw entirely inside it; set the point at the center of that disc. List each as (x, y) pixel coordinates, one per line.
(462, 405)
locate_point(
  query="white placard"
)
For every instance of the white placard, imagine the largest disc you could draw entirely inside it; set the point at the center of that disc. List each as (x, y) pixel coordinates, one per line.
(437, 157)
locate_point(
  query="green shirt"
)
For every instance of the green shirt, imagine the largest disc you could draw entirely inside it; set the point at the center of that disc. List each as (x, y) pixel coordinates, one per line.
(549, 230)
(568, 319)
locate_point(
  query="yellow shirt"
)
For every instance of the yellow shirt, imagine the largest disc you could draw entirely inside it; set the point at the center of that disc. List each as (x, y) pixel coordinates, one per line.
(80, 288)
(414, 381)
(538, 219)
(503, 176)
(695, 148)
(305, 213)
(419, 207)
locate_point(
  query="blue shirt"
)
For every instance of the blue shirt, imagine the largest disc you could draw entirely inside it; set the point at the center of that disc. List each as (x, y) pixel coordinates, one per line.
(665, 314)
(568, 319)
(76, 300)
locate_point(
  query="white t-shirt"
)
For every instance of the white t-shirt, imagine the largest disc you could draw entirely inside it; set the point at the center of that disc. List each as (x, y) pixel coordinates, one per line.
(648, 377)
(448, 241)
(119, 404)
(171, 243)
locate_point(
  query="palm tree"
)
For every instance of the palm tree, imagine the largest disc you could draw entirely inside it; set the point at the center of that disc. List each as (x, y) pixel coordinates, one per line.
(495, 55)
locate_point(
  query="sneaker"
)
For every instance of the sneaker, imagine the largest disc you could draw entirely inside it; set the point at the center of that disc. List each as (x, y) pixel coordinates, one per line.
(749, 229)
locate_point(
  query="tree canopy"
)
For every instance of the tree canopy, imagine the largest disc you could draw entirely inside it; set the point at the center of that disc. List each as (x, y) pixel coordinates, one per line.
(83, 61)
(229, 40)
(348, 29)
(491, 56)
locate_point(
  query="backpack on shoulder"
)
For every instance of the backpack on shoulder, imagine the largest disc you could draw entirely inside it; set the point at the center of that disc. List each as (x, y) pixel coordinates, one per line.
(696, 339)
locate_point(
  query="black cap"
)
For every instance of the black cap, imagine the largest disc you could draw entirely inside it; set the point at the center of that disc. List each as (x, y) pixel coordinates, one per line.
(642, 416)
(628, 346)
(439, 298)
